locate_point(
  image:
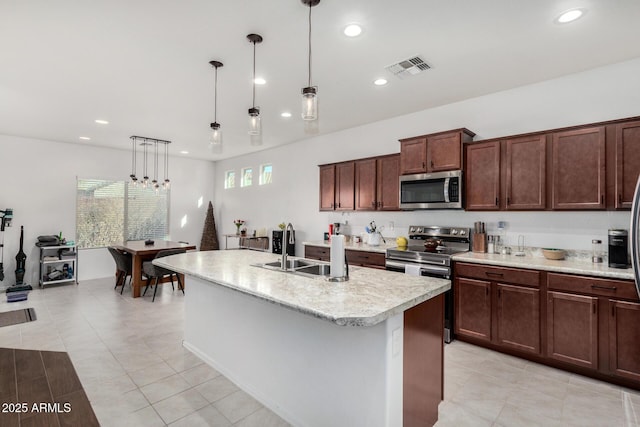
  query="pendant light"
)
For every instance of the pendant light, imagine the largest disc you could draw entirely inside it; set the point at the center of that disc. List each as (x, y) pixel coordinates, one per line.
(146, 142)
(255, 125)
(310, 93)
(154, 182)
(216, 132)
(134, 179)
(145, 179)
(166, 184)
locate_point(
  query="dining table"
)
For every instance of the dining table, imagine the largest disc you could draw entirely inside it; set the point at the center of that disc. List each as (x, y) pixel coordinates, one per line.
(141, 251)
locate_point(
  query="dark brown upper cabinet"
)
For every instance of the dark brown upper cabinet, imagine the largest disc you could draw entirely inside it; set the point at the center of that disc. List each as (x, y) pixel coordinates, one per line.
(482, 176)
(337, 186)
(345, 186)
(327, 187)
(627, 163)
(377, 183)
(525, 162)
(433, 153)
(578, 169)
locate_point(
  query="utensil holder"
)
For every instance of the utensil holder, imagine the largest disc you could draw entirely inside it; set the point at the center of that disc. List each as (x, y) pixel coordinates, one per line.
(479, 242)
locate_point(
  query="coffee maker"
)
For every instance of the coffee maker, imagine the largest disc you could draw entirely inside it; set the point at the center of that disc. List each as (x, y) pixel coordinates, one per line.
(618, 248)
(276, 243)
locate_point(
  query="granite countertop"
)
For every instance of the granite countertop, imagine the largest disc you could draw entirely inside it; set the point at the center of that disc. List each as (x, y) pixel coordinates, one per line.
(382, 248)
(570, 266)
(369, 297)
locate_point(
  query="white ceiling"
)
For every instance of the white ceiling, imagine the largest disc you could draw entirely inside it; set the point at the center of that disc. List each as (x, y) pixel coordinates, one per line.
(143, 65)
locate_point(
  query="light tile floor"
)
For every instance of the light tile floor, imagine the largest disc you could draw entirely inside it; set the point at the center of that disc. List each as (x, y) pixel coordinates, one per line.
(128, 354)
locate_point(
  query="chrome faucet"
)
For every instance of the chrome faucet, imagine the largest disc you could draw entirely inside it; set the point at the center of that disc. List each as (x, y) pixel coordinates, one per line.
(288, 231)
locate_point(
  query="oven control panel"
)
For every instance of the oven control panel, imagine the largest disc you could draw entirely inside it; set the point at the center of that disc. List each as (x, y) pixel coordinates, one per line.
(425, 232)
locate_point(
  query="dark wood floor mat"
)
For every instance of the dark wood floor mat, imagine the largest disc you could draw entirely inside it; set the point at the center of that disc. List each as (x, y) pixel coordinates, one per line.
(17, 316)
(41, 388)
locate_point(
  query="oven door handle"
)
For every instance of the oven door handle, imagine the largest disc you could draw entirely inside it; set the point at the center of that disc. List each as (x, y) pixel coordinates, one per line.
(434, 269)
(446, 190)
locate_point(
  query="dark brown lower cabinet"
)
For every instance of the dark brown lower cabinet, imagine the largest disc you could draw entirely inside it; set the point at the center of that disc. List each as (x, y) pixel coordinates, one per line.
(624, 339)
(503, 314)
(518, 318)
(572, 329)
(582, 324)
(473, 308)
(354, 257)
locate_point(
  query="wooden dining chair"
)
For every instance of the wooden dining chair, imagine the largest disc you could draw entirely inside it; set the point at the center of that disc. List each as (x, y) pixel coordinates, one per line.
(153, 272)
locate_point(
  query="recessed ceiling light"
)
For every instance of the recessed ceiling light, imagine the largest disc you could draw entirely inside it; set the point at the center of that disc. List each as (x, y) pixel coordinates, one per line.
(102, 122)
(380, 82)
(184, 152)
(569, 16)
(352, 30)
(260, 81)
(286, 114)
(85, 138)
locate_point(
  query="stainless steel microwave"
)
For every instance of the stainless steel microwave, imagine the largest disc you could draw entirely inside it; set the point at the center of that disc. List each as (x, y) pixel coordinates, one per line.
(439, 190)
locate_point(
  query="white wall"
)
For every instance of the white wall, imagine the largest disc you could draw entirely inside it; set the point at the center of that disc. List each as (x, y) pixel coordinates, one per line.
(605, 93)
(38, 180)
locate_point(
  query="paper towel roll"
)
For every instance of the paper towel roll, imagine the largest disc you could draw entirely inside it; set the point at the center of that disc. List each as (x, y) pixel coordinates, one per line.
(337, 256)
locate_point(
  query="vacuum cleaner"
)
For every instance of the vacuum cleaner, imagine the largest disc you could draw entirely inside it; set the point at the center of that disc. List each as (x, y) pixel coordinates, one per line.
(19, 291)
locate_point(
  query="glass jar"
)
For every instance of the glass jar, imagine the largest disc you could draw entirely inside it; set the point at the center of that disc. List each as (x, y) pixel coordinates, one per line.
(596, 251)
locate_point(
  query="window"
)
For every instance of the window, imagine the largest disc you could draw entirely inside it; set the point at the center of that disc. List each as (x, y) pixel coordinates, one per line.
(247, 174)
(230, 179)
(109, 212)
(265, 174)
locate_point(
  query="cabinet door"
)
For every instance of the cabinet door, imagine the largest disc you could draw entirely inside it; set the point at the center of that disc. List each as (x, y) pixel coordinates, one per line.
(572, 329)
(627, 162)
(444, 152)
(518, 318)
(345, 186)
(366, 185)
(578, 169)
(472, 308)
(624, 339)
(482, 176)
(525, 185)
(327, 187)
(413, 155)
(389, 183)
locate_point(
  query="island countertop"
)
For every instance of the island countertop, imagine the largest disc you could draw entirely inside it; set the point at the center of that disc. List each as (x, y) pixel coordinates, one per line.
(370, 296)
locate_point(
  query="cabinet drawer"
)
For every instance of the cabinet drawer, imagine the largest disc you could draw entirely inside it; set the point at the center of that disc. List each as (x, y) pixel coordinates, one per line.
(499, 274)
(317, 252)
(592, 286)
(365, 259)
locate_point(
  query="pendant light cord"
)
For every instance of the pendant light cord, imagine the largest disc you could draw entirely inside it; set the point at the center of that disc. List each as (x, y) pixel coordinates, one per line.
(215, 98)
(254, 74)
(309, 85)
(133, 157)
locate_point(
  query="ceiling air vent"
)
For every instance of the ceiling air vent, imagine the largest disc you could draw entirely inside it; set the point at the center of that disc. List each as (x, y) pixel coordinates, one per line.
(408, 67)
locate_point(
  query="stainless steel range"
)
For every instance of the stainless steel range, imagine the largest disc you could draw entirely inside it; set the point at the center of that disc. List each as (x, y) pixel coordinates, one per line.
(429, 254)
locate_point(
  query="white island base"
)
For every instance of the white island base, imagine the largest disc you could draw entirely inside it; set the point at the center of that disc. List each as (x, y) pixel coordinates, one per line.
(312, 372)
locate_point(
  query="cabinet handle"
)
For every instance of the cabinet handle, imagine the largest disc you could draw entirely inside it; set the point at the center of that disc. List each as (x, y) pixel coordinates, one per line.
(608, 288)
(490, 273)
(508, 200)
(602, 199)
(619, 199)
(373, 204)
(486, 291)
(339, 204)
(424, 165)
(431, 164)
(594, 308)
(496, 201)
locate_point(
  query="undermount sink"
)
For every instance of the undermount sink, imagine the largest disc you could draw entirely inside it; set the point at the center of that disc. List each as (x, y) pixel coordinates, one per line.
(299, 266)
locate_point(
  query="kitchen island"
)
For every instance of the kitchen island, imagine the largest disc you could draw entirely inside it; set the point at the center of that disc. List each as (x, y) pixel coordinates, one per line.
(365, 352)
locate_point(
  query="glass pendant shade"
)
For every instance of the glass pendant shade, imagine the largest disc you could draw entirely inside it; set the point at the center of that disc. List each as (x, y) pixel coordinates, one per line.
(216, 134)
(309, 103)
(255, 124)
